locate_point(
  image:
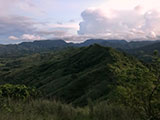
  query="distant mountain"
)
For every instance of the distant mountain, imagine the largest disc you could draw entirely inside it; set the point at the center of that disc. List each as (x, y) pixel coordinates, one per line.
(145, 53)
(45, 44)
(148, 49)
(25, 48)
(123, 44)
(138, 44)
(108, 43)
(76, 75)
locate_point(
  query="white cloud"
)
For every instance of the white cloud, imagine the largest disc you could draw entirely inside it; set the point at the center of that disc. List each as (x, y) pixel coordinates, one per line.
(123, 24)
(13, 38)
(25, 37)
(30, 37)
(128, 4)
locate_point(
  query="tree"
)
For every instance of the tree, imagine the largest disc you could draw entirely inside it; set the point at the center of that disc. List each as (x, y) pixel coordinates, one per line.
(154, 96)
(139, 89)
(18, 92)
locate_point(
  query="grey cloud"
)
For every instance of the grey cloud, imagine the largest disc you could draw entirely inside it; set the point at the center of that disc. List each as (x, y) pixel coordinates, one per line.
(16, 28)
(55, 33)
(72, 21)
(60, 23)
(16, 25)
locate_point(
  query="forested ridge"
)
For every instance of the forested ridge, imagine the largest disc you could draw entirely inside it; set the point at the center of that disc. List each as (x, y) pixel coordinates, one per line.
(81, 83)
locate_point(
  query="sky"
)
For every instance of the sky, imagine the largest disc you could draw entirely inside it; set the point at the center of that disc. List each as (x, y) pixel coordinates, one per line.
(78, 20)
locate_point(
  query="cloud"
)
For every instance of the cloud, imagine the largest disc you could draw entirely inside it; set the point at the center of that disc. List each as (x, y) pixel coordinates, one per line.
(25, 37)
(50, 30)
(79, 38)
(30, 37)
(10, 7)
(53, 33)
(121, 23)
(121, 19)
(12, 27)
(7, 6)
(17, 29)
(13, 38)
(128, 4)
(16, 25)
(66, 26)
(20, 28)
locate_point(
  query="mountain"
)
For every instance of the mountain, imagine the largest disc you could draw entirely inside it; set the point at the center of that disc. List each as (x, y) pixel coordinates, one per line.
(75, 75)
(110, 43)
(145, 53)
(26, 48)
(148, 49)
(116, 43)
(138, 44)
(44, 44)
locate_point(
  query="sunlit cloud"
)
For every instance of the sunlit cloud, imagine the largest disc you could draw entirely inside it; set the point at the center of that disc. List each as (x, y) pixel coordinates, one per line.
(13, 38)
(122, 21)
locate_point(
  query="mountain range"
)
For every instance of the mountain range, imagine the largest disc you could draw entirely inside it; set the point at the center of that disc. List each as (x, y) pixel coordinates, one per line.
(24, 48)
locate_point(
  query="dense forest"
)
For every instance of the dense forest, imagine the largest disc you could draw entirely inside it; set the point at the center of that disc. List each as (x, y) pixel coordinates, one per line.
(93, 80)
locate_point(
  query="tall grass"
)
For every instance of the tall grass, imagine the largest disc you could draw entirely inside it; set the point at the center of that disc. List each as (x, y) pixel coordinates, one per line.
(52, 110)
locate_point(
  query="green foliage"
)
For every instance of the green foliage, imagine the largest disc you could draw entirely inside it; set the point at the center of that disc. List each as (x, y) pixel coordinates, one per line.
(17, 92)
(139, 89)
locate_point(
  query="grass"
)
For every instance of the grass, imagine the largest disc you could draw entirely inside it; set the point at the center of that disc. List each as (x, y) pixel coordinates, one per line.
(52, 110)
(41, 110)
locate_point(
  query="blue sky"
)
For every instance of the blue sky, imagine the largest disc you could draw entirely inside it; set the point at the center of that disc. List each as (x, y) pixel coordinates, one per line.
(77, 20)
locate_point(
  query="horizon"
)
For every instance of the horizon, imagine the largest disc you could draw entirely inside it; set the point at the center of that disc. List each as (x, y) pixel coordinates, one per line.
(77, 21)
(43, 40)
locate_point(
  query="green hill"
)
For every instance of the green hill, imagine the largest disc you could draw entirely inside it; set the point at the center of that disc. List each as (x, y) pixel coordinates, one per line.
(75, 75)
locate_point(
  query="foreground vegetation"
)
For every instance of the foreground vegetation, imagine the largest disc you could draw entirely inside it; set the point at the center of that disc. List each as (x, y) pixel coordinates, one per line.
(19, 102)
(52, 110)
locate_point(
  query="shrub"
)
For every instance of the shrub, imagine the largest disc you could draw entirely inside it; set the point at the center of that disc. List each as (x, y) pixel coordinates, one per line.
(18, 92)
